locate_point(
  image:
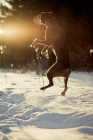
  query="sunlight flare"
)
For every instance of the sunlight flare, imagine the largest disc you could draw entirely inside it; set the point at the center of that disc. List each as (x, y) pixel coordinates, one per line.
(1, 31)
(91, 51)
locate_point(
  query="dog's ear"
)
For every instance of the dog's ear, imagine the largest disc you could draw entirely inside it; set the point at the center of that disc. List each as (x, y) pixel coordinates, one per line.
(45, 14)
(43, 17)
(52, 14)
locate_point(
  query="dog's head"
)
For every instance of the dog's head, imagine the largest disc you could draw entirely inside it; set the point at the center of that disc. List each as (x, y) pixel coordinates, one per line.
(46, 16)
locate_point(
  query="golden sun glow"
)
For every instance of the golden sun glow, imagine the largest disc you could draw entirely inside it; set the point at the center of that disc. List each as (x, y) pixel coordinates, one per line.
(1, 31)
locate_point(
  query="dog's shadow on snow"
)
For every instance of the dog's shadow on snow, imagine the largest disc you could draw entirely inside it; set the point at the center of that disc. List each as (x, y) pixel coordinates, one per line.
(86, 130)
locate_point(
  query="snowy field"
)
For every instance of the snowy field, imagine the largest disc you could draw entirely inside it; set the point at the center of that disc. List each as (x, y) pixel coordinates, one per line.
(27, 113)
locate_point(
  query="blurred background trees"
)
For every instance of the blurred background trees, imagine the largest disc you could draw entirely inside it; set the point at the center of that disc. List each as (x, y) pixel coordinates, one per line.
(74, 17)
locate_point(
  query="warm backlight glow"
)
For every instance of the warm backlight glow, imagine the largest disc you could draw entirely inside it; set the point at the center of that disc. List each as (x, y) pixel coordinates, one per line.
(18, 32)
(1, 31)
(91, 51)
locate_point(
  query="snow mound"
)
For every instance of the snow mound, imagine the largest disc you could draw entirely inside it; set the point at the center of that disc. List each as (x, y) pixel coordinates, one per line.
(26, 112)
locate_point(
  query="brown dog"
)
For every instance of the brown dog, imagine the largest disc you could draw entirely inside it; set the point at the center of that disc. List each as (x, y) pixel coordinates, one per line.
(55, 38)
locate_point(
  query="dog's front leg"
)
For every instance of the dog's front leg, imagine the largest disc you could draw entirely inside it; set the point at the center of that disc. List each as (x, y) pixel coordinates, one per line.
(42, 42)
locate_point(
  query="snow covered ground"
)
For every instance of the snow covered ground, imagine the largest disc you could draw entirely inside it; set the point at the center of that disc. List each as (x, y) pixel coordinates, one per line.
(27, 113)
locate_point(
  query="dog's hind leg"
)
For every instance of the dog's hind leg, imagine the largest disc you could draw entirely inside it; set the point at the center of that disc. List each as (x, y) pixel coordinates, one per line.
(50, 78)
(65, 88)
(67, 73)
(50, 75)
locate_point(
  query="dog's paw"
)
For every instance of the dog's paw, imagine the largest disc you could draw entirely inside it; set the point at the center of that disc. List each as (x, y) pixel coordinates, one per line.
(63, 94)
(34, 43)
(42, 88)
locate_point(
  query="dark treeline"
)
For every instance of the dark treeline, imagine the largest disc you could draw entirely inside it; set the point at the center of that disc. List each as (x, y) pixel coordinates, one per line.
(20, 26)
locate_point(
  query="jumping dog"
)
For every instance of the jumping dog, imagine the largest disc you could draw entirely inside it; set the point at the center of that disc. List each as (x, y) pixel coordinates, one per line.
(55, 38)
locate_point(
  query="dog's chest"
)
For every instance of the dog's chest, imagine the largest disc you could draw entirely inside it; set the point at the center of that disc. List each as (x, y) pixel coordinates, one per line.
(52, 47)
(49, 35)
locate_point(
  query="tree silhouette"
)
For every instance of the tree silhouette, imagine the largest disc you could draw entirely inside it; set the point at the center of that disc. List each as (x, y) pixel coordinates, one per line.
(74, 17)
